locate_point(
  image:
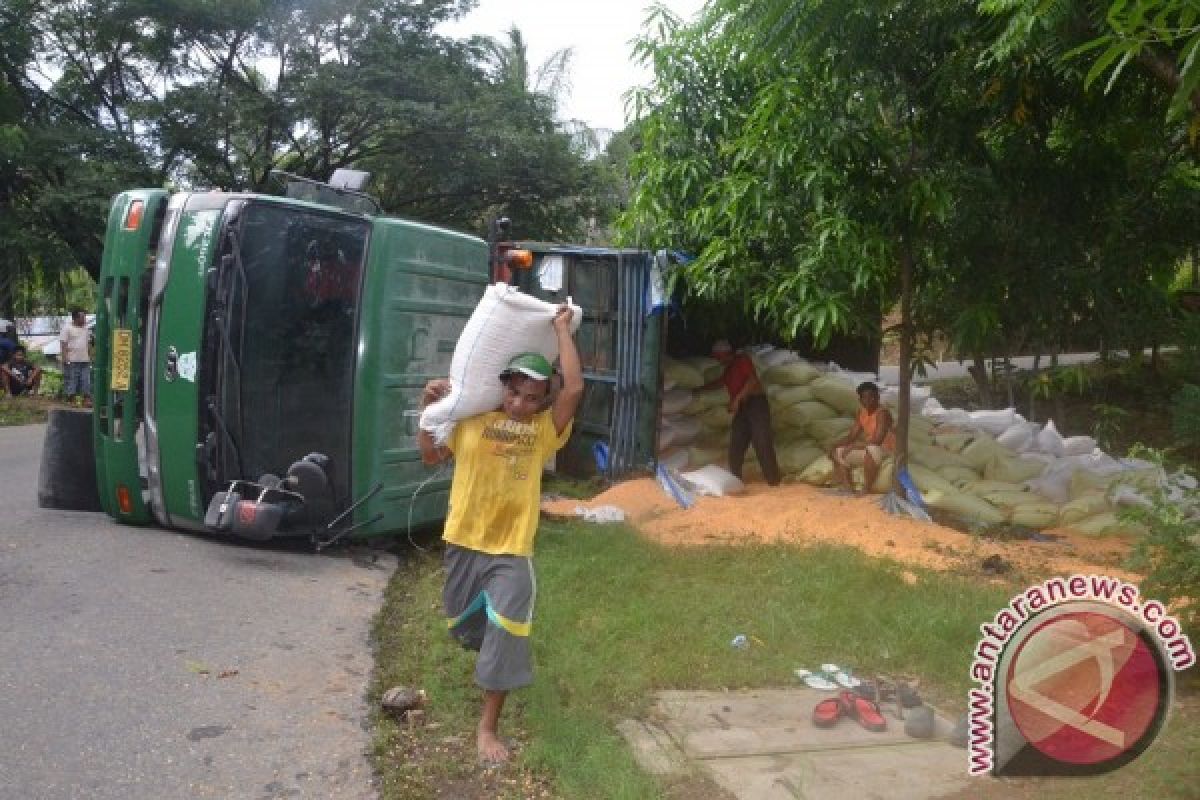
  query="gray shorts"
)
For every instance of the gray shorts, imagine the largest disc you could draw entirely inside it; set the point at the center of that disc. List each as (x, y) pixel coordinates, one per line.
(489, 608)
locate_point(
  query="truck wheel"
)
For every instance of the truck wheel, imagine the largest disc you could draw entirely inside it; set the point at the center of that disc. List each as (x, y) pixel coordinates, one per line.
(67, 480)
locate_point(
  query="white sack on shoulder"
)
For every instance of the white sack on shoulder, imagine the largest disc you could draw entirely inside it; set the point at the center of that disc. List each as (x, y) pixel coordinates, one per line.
(505, 324)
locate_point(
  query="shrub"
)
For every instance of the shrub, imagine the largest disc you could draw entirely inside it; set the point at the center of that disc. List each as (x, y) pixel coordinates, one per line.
(1185, 415)
(1169, 553)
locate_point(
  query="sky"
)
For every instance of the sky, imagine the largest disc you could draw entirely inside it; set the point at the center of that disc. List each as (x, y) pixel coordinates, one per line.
(599, 31)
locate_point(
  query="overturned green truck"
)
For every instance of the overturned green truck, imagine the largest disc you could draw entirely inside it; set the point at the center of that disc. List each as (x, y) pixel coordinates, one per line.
(259, 359)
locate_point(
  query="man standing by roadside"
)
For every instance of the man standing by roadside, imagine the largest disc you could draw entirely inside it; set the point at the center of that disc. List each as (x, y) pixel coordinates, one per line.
(494, 506)
(76, 358)
(751, 413)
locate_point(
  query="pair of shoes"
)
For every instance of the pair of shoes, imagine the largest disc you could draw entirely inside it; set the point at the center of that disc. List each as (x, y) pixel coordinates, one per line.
(829, 679)
(848, 704)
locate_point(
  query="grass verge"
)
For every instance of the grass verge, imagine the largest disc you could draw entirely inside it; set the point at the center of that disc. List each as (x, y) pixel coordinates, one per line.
(23, 410)
(619, 617)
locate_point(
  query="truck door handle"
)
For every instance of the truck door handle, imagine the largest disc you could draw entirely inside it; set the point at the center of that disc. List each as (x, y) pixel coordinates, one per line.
(171, 364)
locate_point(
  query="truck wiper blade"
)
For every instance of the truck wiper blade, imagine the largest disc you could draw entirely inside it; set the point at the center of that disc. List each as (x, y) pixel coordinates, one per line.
(232, 278)
(214, 411)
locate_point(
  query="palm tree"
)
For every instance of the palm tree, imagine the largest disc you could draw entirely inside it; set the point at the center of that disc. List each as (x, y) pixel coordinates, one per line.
(508, 62)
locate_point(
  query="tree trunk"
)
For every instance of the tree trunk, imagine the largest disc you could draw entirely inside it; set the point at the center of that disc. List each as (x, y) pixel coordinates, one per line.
(1008, 372)
(1037, 368)
(8, 295)
(904, 403)
(978, 370)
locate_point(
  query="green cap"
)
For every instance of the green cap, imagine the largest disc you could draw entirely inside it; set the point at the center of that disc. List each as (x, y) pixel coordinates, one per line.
(534, 365)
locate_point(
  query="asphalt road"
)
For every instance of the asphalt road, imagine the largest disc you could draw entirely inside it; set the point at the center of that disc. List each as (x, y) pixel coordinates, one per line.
(141, 663)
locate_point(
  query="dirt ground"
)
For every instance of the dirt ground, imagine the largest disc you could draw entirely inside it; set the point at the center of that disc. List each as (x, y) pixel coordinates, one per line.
(808, 515)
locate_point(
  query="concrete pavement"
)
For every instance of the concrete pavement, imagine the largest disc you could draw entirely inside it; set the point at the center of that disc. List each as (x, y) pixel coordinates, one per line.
(760, 745)
(142, 663)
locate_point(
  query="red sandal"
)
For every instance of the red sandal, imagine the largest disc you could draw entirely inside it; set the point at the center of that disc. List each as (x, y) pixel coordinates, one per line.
(865, 711)
(827, 712)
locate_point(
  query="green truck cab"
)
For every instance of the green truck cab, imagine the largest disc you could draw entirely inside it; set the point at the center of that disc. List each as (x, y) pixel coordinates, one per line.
(259, 361)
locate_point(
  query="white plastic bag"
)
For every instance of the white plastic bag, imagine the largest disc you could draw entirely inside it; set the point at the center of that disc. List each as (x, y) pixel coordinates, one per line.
(714, 481)
(602, 515)
(506, 323)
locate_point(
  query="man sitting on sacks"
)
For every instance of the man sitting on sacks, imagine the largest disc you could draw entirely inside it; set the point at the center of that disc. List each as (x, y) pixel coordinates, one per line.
(751, 414)
(869, 441)
(494, 507)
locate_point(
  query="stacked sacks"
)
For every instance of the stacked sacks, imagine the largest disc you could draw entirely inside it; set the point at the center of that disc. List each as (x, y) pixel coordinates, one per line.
(986, 466)
(1028, 474)
(795, 410)
(990, 467)
(803, 425)
(692, 418)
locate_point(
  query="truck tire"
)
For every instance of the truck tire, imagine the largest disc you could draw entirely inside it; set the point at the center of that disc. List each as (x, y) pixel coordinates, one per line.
(67, 480)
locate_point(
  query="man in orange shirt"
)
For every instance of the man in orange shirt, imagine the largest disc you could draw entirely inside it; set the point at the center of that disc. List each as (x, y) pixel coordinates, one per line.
(751, 413)
(869, 441)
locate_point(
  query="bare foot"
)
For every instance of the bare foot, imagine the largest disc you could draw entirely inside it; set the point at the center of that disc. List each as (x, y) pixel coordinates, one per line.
(491, 750)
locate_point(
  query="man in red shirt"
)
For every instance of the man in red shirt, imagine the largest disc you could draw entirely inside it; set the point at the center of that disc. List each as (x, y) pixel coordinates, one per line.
(751, 414)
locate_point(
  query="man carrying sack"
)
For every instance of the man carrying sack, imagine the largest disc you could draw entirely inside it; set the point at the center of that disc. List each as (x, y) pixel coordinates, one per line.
(494, 507)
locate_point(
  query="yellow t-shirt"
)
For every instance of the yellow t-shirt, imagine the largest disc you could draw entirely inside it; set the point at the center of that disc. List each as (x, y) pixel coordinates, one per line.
(496, 494)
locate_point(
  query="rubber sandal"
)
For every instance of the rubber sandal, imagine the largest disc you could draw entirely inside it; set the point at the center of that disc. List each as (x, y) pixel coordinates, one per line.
(827, 712)
(865, 711)
(840, 676)
(815, 681)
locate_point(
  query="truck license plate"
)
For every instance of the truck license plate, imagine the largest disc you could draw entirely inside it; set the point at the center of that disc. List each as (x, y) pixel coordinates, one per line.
(122, 359)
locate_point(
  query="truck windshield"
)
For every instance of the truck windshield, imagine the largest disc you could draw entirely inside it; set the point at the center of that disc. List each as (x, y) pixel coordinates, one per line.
(288, 320)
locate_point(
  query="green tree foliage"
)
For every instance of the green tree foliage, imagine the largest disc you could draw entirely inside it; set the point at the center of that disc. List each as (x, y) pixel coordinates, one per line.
(801, 149)
(62, 147)
(101, 95)
(1160, 37)
(1169, 550)
(827, 158)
